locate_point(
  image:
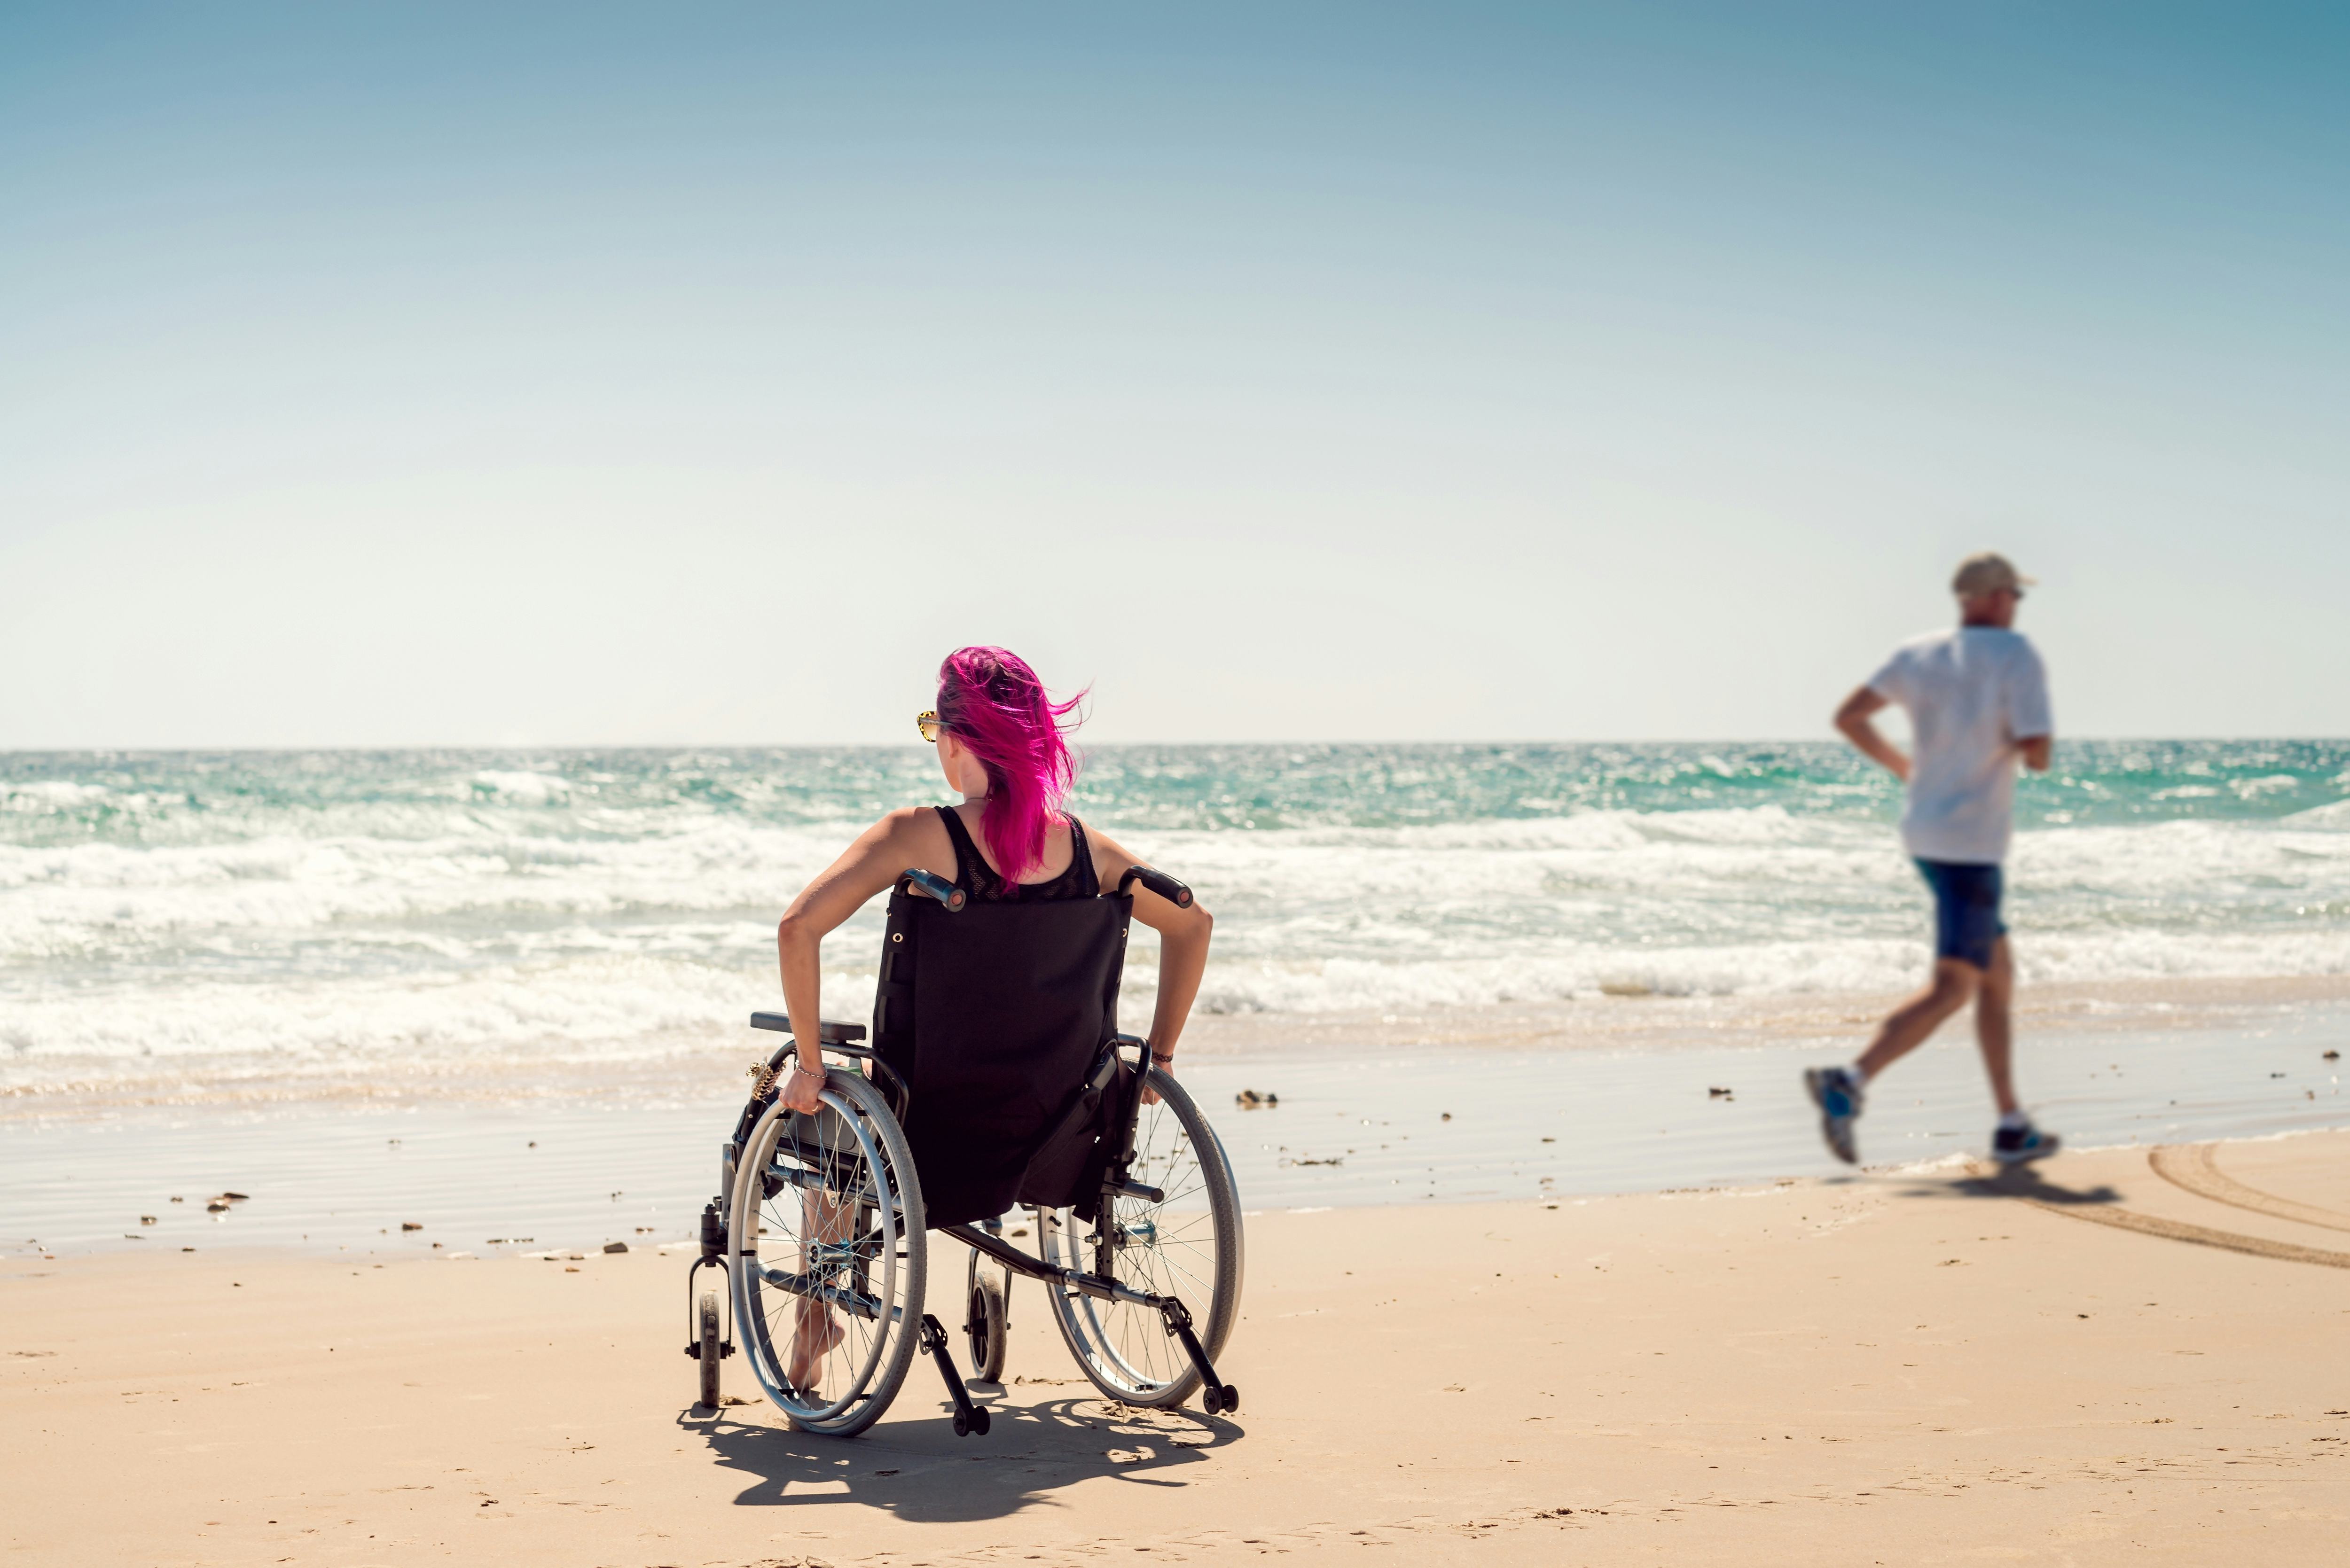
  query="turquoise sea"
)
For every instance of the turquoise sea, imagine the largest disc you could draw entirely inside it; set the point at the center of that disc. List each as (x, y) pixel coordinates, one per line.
(502, 994)
(289, 913)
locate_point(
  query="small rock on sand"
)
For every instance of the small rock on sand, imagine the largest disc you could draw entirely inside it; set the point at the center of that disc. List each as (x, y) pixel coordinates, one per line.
(411, 1225)
(616, 1246)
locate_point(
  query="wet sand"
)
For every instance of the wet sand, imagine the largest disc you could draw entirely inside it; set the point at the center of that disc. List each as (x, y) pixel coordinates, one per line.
(1543, 1101)
(2104, 1363)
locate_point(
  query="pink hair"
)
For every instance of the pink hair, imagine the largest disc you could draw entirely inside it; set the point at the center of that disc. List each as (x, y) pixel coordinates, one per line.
(997, 708)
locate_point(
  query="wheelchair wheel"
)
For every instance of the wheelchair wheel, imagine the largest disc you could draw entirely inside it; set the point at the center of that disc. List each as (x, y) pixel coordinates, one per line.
(829, 1251)
(1188, 1246)
(708, 1349)
(988, 1326)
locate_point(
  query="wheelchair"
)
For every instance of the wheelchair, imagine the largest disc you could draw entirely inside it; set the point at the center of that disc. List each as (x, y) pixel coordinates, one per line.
(996, 1082)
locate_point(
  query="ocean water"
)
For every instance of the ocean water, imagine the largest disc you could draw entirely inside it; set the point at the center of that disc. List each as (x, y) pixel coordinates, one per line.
(202, 919)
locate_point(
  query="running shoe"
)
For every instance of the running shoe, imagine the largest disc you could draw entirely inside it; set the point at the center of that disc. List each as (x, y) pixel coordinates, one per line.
(2020, 1145)
(1837, 1095)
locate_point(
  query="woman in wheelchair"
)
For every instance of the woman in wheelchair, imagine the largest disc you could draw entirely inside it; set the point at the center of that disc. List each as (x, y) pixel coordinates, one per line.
(1002, 744)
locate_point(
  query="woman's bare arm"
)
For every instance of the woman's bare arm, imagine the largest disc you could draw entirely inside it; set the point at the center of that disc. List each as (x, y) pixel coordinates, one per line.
(1183, 945)
(881, 853)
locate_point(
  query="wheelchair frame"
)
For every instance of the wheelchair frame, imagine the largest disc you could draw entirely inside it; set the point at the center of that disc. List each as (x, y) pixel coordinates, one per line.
(1218, 1397)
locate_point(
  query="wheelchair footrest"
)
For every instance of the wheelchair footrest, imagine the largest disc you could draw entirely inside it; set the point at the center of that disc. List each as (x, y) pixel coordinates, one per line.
(968, 1418)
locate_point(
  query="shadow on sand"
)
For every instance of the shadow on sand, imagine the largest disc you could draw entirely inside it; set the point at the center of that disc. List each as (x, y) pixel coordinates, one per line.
(2015, 1181)
(919, 1470)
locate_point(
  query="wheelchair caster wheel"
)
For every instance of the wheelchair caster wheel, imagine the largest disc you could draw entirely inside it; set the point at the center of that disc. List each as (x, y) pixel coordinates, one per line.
(985, 1327)
(706, 1349)
(1221, 1401)
(975, 1424)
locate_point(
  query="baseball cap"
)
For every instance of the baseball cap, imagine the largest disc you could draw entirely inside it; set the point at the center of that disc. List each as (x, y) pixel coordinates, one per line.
(1987, 573)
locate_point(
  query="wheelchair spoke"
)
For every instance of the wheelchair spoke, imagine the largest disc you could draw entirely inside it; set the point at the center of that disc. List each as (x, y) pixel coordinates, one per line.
(1185, 1244)
(830, 1279)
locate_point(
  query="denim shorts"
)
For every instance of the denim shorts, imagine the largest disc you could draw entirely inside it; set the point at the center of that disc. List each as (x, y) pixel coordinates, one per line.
(1965, 910)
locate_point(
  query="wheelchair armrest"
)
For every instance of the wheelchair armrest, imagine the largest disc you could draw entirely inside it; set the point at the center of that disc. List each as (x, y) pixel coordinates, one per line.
(949, 897)
(1159, 882)
(829, 1034)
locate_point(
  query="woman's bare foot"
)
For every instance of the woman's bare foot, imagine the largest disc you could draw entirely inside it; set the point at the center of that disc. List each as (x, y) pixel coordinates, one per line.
(816, 1333)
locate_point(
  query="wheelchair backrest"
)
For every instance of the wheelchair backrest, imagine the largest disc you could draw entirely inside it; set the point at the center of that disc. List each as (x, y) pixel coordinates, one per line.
(997, 1016)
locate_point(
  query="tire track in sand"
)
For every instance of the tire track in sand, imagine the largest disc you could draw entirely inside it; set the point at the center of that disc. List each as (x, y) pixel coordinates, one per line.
(2106, 1213)
(2196, 1167)
(2201, 1235)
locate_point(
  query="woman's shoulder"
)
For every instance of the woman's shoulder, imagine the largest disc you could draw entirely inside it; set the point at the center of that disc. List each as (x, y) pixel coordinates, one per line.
(910, 825)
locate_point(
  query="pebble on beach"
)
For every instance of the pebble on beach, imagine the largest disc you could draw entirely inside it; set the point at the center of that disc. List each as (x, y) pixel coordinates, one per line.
(1250, 1100)
(411, 1225)
(616, 1246)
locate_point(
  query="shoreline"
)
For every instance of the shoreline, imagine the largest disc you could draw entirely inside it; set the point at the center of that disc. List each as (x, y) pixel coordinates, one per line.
(1612, 1022)
(1445, 1124)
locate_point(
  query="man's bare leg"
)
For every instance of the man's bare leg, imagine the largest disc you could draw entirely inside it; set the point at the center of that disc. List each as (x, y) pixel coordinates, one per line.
(1993, 1027)
(1913, 1023)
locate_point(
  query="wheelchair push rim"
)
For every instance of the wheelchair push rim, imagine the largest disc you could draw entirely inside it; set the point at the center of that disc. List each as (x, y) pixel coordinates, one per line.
(841, 1238)
(1188, 1245)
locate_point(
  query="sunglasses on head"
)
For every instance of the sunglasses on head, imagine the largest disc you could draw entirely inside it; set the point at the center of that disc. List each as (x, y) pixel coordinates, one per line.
(927, 721)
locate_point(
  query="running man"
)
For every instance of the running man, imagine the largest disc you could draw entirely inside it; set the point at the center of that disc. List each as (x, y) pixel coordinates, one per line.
(1978, 700)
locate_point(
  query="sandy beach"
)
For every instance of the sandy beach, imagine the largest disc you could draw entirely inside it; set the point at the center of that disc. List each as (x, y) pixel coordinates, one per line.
(1631, 640)
(2129, 1357)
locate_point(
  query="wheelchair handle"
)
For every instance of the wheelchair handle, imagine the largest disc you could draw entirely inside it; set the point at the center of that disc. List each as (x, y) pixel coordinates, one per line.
(1159, 882)
(828, 1033)
(949, 897)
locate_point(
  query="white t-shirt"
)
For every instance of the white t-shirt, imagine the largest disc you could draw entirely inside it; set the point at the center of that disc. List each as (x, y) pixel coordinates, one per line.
(1971, 692)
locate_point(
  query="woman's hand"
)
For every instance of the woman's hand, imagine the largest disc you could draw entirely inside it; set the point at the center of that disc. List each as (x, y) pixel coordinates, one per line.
(800, 1087)
(1157, 1066)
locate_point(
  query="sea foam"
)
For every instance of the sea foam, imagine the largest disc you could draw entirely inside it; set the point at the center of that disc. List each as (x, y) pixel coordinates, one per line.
(287, 912)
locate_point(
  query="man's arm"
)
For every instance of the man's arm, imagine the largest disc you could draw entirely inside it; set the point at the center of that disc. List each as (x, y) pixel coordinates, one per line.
(2028, 719)
(1854, 719)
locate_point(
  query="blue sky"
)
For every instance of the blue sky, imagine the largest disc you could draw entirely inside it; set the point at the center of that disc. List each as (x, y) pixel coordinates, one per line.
(565, 374)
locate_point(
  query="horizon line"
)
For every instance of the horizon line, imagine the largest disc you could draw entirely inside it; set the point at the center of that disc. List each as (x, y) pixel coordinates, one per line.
(577, 746)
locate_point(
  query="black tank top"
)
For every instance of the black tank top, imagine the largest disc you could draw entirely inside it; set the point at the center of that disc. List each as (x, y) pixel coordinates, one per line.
(975, 876)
